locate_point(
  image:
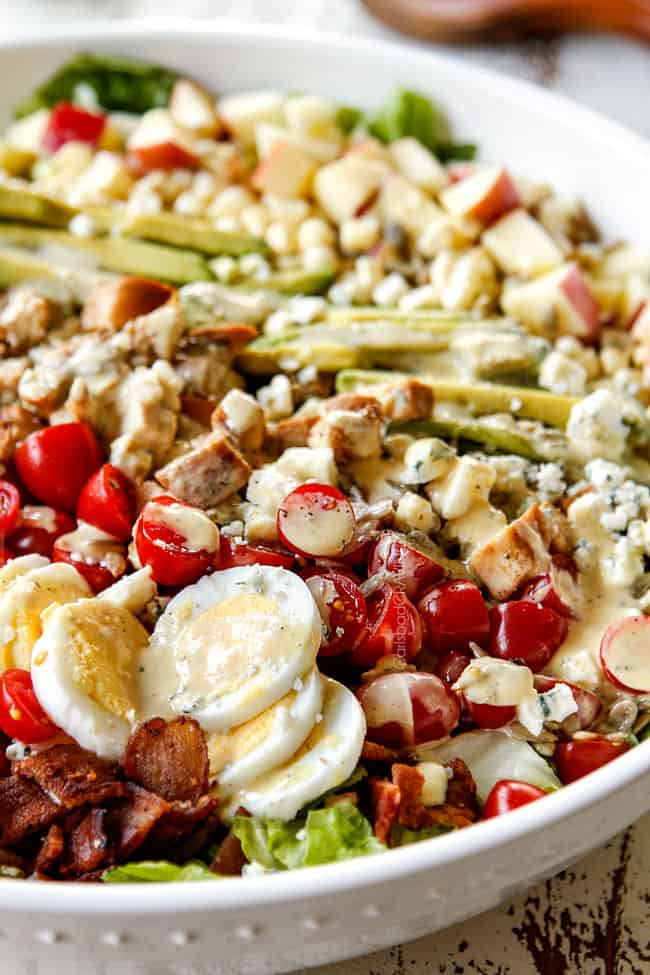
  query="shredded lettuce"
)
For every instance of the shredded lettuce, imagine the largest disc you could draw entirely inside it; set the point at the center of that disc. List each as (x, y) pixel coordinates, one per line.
(348, 117)
(119, 85)
(461, 151)
(338, 832)
(407, 113)
(158, 871)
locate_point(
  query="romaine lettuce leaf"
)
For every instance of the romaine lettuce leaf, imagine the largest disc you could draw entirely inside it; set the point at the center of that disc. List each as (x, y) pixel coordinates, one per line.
(158, 871)
(408, 113)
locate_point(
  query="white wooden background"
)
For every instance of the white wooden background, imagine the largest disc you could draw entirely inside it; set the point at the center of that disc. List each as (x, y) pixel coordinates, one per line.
(592, 920)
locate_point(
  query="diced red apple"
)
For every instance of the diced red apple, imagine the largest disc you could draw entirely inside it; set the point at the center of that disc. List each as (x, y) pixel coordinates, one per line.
(267, 135)
(520, 245)
(625, 654)
(486, 195)
(561, 300)
(159, 142)
(404, 203)
(243, 112)
(418, 165)
(286, 171)
(193, 107)
(345, 187)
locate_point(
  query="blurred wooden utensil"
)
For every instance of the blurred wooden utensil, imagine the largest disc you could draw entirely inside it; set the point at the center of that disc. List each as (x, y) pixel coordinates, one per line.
(467, 20)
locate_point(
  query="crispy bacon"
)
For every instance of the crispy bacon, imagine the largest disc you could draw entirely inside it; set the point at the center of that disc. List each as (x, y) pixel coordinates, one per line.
(385, 801)
(51, 851)
(184, 830)
(71, 776)
(169, 758)
(133, 818)
(372, 752)
(88, 847)
(24, 810)
(230, 859)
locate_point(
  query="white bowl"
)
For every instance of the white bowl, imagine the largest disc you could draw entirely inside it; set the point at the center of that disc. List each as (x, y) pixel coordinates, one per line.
(276, 923)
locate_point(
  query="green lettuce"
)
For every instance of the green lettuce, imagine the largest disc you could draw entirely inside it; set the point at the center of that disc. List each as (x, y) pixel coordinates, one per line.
(338, 832)
(401, 836)
(407, 113)
(119, 84)
(158, 871)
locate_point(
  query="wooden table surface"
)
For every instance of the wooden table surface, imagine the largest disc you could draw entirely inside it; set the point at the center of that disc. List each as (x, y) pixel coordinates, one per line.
(592, 919)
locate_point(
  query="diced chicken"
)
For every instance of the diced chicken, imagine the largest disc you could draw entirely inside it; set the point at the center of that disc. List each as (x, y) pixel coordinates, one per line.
(24, 319)
(295, 430)
(155, 335)
(207, 374)
(113, 303)
(243, 419)
(515, 554)
(209, 472)
(408, 399)
(148, 404)
(16, 423)
(351, 426)
(10, 372)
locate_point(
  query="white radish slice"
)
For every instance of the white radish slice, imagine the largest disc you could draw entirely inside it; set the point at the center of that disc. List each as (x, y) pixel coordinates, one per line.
(316, 520)
(625, 654)
(268, 740)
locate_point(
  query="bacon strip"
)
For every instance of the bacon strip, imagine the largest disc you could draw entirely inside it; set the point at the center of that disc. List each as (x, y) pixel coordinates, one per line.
(169, 758)
(230, 859)
(51, 851)
(133, 818)
(89, 846)
(24, 809)
(71, 776)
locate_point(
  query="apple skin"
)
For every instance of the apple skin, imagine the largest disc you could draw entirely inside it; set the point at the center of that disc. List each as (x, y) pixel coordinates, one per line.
(577, 292)
(484, 195)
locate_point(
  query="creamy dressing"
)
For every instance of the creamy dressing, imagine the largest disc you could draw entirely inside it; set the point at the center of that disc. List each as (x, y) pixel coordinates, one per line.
(199, 533)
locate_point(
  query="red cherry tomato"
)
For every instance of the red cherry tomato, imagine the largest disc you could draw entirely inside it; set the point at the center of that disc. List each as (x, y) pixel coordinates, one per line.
(413, 570)
(173, 556)
(101, 561)
(588, 704)
(9, 507)
(557, 589)
(451, 666)
(232, 553)
(164, 155)
(330, 565)
(406, 709)
(507, 795)
(6, 555)
(55, 463)
(490, 715)
(521, 630)
(573, 759)
(107, 501)
(21, 716)
(342, 608)
(454, 615)
(394, 627)
(38, 529)
(69, 123)
(316, 520)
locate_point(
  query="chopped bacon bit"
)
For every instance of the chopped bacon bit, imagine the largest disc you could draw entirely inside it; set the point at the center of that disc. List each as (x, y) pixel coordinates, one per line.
(5, 764)
(372, 752)
(51, 851)
(386, 802)
(72, 776)
(184, 829)
(169, 758)
(134, 818)
(461, 790)
(88, 845)
(230, 859)
(24, 809)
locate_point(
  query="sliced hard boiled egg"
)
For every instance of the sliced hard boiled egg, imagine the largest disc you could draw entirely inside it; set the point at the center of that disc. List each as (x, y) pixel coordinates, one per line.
(230, 646)
(268, 740)
(83, 671)
(323, 762)
(28, 595)
(20, 567)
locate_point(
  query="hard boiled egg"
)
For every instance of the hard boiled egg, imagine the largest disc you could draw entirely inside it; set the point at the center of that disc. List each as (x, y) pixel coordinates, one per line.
(83, 671)
(268, 740)
(27, 595)
(230, 646)
(324, 761)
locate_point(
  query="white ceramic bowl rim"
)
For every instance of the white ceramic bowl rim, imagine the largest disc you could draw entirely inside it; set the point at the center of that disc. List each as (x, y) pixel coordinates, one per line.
(249, 892)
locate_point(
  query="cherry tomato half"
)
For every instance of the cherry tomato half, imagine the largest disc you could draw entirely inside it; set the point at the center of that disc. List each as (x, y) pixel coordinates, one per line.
(451, 666)
(316, 519)
(454, 615)
(179, 545)
(100, 560)
(232, 553)
(55, 463)
(9, 507)
(521, 630)
(107, 501)
(394, 627)
(6, 555)
(507, 795)
(405, 709)
(490, 715)
(164, 155)
(21, 715)
(574, 759)
(342, 608)
(557, 589)
(70, 123)
(412, 569)
(38, 529)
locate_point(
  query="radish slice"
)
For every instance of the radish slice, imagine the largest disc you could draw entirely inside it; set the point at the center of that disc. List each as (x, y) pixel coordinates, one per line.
(316, 520)
(625, 654)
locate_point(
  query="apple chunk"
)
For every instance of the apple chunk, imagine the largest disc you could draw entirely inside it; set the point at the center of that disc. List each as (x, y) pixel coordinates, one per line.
(159, 142)
(625, 654)
(558, 303)
(520, 245)
(193, 106)
(286, 171)
(344, 187)
(483, 196)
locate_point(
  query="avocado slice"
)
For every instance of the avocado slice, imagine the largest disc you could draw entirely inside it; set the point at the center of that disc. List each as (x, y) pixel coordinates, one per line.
(122, 255)
(15, 161)
(293, 281)
(17, 203)
(265, 356)
(502, 434)
(369, 313)
(17, 266)
(533, 404)
(178, 231)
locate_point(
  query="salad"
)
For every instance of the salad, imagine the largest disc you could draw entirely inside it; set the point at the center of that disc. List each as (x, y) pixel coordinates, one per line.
(325, 487)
